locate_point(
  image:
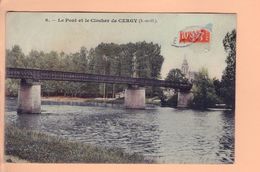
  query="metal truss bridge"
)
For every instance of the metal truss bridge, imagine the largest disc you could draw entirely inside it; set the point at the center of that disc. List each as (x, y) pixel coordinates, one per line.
(38, 74)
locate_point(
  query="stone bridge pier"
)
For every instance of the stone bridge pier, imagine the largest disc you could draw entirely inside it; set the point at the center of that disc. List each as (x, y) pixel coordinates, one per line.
(135, 97)
(29, 94)
(29, 97)
(184, 99)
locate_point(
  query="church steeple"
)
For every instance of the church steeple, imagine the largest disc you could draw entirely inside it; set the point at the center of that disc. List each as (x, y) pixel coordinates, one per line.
(185, 66)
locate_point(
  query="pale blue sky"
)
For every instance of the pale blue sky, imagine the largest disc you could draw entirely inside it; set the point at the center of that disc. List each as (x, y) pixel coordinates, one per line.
(31, 31)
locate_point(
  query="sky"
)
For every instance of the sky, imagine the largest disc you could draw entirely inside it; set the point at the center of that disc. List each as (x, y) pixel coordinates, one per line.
(69, 31)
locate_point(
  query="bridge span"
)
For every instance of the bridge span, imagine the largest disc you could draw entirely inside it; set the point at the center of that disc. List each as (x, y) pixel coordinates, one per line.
(37, 74)
(29, 94)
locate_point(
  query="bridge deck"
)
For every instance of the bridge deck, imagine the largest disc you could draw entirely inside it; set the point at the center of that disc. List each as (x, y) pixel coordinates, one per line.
(37, 74)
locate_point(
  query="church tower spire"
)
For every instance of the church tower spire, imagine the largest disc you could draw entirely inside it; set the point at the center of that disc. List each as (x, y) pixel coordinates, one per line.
(185, 66)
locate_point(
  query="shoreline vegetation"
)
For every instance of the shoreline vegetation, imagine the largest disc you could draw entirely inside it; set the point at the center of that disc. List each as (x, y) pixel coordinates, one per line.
(23, 145)
(68, 99)
(117, 102)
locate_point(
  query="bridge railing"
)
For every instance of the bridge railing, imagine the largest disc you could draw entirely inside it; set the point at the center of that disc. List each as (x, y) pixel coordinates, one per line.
(39, 74)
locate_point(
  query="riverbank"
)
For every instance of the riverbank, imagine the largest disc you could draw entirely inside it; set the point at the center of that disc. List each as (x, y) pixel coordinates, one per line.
(79, 99)
(32, 146)
(94, 101)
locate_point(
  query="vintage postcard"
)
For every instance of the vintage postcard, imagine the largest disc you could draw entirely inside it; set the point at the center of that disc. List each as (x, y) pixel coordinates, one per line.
(145, 88)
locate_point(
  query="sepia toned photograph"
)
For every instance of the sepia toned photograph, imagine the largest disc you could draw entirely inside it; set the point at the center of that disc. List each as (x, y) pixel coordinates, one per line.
(121, 88)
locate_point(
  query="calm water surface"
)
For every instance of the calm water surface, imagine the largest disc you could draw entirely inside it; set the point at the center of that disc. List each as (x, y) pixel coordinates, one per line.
(165, 134)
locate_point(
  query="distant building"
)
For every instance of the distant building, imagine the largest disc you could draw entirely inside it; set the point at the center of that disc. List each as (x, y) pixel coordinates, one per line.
(190, 75)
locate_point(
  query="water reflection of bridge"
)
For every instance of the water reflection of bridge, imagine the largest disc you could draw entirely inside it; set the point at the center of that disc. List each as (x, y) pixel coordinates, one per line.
(29, 97)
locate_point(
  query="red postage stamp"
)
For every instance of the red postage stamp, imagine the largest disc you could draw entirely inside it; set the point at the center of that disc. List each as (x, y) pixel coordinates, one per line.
(197, 35)
(193, 34)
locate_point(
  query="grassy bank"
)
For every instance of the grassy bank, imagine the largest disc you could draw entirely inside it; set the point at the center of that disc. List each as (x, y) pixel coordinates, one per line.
(39, 147)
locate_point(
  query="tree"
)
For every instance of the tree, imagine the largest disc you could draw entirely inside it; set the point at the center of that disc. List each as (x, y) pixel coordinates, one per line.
(176, 75)
(15, 57)
(203, 90)
(36, 59)
(148, 60)
(228, 77)
(217, 85)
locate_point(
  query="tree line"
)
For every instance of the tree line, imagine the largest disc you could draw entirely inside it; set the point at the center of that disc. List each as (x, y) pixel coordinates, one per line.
(208, 92)
(140, 59)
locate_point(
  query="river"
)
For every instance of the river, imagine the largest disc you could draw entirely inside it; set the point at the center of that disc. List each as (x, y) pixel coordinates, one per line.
(167, 135)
